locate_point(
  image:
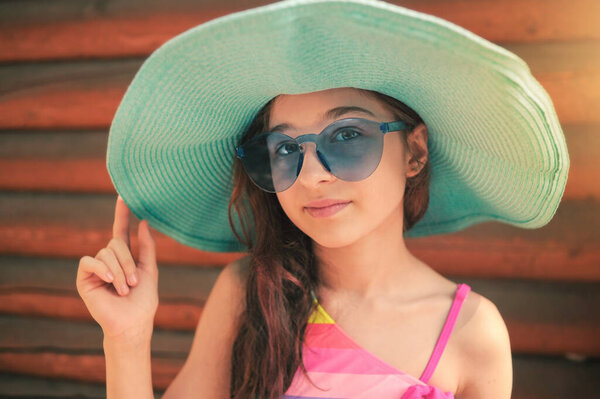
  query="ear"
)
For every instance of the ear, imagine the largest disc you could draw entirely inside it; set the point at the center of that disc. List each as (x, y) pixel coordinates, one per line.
(417, 152)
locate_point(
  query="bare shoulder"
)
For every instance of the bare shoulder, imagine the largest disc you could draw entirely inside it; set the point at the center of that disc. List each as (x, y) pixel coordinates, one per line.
(482, 340)
(238, 271)
(206, 371)
(230, 288)
(228, 293)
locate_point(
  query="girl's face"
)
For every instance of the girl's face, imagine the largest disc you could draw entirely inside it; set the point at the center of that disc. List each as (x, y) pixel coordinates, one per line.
(370, 202)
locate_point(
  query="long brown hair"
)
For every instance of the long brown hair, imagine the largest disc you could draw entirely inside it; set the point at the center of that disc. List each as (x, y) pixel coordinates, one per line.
(267, 350)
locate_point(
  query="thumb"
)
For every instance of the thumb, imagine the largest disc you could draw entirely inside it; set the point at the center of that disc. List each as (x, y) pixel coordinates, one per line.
(147, 254)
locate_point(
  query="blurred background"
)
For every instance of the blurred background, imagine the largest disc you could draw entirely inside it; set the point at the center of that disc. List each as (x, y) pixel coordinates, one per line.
(64, 67)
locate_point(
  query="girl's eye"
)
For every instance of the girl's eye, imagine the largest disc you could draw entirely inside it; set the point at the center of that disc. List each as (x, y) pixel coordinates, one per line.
(346, 134)
(286, 148)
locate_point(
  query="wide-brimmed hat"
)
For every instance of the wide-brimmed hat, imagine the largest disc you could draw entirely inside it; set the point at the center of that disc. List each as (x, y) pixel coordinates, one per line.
(496, 148)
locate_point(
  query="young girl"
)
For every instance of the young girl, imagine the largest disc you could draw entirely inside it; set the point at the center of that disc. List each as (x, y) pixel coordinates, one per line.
(316, 136)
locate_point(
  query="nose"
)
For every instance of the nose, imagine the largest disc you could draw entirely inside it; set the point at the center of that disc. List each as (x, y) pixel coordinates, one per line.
(314, 170)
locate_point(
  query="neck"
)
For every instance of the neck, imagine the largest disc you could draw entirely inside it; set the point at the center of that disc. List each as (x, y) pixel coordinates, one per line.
(375, 265)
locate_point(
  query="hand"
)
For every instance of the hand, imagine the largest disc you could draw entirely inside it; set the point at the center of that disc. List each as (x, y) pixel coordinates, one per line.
(120, 295)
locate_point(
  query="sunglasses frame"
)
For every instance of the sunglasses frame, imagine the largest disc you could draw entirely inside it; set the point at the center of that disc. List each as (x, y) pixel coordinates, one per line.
(384, 127)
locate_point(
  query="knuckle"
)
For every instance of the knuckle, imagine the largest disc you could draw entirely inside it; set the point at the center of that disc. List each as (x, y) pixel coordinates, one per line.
(110, 253)
(84, 262)
(115, 241)
(102, 253)
(120, 279)
(128, 263)
(121, 284)
(121, 252)
(130, 269)
(113, 244)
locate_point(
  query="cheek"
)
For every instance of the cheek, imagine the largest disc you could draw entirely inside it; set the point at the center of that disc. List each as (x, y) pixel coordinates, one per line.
(286, 200)
(383, 193)
(388, 180)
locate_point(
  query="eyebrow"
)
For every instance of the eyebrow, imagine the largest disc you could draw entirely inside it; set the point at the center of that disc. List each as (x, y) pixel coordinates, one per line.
(331, 114)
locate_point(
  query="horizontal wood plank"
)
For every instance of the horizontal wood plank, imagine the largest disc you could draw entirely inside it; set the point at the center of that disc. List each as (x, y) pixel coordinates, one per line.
(64, 67)
(553, 378)
(46, 288)
(567, 380)
(553, 337)
(169, 315)
(89, 368)
(39, 30)
(22, 335)
(74, 175)
(176, 283)
(85, 95)
(24, 386)
(558, 317)
(75, 162)
(64, 225)
(535, 377)
(74, 351)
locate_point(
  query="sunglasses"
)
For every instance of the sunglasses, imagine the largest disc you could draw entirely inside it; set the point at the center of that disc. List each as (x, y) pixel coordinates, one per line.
(350, 149)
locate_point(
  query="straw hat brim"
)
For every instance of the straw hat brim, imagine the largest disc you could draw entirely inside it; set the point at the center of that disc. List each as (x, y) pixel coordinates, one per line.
(496, 147)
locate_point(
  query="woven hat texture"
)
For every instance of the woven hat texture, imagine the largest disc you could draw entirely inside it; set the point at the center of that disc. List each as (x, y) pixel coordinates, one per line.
(496, 147)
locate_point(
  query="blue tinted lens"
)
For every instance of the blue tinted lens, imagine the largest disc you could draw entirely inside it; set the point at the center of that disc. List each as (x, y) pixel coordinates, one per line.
(350, 149)
(271, 160)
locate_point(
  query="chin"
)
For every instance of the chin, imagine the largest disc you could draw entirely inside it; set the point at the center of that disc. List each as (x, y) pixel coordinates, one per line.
(334, 239)
(333, 244)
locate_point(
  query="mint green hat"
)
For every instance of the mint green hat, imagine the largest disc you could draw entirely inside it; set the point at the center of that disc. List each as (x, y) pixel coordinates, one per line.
(496, 148)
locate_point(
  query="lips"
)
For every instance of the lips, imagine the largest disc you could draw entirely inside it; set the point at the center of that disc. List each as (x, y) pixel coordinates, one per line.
(326, 207)
(325, 202)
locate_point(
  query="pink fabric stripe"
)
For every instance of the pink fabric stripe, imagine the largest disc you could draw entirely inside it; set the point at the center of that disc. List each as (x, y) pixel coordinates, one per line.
(350, 361)
(341, 385)
(461, 293)
(326, 336)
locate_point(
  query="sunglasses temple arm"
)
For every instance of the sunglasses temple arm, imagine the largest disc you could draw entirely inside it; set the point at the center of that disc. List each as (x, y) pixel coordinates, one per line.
(393, 126)
(239, 152)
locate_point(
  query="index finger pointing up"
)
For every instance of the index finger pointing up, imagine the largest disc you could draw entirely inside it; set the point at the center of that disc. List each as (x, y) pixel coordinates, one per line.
(121, 223)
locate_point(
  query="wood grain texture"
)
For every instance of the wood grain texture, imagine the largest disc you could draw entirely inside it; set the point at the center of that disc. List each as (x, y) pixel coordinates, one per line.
(25, 386)
(64, 67)
(74, 162)
(559, 317)
(85, 95)
(567, 248)
(38, 30)
(556, 373)
(77, 356)
(46, 288)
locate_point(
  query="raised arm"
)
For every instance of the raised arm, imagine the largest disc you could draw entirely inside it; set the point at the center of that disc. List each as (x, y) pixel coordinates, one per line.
(122, 297)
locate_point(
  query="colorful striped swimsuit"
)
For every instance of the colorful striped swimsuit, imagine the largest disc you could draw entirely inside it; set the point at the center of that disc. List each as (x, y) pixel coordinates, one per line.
(336, 363)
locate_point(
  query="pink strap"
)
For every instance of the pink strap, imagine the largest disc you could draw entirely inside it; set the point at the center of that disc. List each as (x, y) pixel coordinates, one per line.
(461, 292)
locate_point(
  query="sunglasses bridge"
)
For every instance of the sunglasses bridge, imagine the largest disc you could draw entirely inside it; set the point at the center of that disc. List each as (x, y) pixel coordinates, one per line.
(310, 138)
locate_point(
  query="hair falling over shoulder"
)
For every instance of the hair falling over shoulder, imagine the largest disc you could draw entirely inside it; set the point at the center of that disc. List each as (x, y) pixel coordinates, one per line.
(267, 350)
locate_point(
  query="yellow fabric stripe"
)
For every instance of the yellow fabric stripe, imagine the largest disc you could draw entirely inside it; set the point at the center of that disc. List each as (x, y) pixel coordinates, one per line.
(320, 316)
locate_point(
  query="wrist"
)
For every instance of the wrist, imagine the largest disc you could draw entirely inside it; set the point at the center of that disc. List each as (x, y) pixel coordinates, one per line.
(128, 365)
(135, 338)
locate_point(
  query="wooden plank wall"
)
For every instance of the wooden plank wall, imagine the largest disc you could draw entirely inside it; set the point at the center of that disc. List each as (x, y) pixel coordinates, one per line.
(64, 66)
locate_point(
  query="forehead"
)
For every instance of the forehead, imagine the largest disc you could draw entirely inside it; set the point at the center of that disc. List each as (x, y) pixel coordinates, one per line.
(312, 110)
